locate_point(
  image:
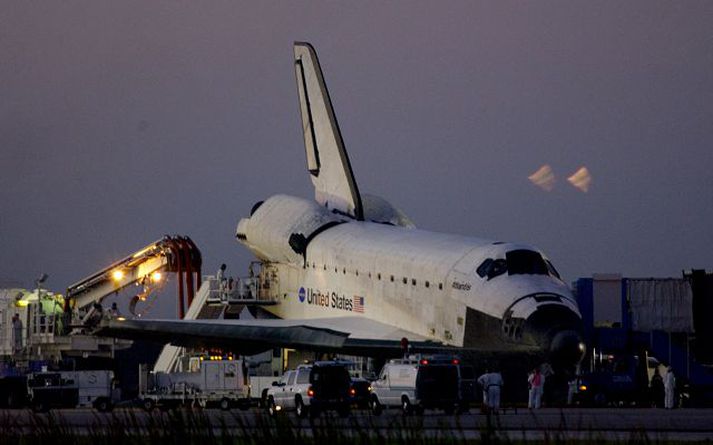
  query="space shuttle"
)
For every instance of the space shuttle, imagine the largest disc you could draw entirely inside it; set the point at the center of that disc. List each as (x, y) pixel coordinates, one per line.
(350, 273)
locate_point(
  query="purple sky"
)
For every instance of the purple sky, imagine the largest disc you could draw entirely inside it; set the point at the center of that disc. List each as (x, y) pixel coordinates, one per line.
(123, 121)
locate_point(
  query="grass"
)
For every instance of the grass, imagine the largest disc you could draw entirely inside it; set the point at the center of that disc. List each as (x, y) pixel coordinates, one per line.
(201, 428)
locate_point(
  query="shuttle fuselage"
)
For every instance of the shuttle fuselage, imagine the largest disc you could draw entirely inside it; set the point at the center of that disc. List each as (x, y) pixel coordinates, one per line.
(452, 289)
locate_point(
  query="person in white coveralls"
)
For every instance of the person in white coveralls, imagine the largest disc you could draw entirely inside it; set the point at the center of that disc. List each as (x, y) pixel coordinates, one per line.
(491, 382)
(669, 385)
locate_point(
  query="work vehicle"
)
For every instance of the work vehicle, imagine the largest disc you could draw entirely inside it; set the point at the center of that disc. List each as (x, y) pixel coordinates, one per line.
(617, 379)
(311, 389)
(416, 384)
(71, 389)
(221, 383)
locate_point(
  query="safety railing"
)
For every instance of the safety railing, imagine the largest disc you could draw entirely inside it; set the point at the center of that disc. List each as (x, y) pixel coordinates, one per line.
(249, 290)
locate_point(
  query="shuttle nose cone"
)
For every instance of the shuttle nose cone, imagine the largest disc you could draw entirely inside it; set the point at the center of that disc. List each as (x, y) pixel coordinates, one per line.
(557, 330)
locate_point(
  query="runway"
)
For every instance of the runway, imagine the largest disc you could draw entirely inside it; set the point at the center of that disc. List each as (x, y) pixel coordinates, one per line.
(638, 425)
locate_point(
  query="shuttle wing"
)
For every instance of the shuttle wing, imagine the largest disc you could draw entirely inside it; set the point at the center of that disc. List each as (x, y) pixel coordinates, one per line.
(349, 335)
(327, 159)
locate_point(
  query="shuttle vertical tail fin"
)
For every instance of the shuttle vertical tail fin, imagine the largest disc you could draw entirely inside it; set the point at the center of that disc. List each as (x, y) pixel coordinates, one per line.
(327, 160)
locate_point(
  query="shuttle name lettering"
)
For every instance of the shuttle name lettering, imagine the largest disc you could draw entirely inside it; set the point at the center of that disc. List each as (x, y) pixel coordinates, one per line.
(461, 286)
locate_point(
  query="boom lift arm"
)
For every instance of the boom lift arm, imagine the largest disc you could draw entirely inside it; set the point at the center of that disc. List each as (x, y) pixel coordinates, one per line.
(169, 254)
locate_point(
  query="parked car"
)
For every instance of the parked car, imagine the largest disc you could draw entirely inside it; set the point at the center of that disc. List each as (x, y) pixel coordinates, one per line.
(415, 384)
(360, 392)
(311, 389)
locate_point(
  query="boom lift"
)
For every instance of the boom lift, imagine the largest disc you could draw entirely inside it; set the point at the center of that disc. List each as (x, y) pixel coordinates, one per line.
(41, 329)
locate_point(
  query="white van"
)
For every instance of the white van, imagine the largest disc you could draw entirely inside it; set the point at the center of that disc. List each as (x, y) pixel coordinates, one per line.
(415, 384)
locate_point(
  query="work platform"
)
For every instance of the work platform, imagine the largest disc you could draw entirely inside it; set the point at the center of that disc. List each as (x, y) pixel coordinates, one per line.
(214, 298)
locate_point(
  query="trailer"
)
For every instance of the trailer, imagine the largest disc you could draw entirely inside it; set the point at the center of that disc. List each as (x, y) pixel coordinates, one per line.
(220, 383)
(72, 389)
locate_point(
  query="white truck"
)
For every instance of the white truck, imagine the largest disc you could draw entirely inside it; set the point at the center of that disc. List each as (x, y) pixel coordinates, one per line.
(312, 388)
(221, 383)
(71, 389)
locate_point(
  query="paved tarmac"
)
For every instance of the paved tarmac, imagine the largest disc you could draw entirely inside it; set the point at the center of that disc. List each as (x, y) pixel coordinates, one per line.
(619, 424)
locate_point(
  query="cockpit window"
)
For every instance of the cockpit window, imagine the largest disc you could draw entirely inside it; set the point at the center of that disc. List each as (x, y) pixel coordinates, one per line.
(482, 270)
(517, 262)
(552, 270)
(498, 267)
(526, 262)
(492, 268)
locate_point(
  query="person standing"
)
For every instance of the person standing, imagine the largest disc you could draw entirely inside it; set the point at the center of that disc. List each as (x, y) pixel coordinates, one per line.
(222, 283)
(220, 275)
(669, 384)
(546, 371)
(657, 389)
(17, 332)
(494, 385)
(571, 390)
(536, 382)
(483, 381)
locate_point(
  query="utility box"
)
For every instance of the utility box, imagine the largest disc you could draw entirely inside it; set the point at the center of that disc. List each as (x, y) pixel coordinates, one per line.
(220, 375)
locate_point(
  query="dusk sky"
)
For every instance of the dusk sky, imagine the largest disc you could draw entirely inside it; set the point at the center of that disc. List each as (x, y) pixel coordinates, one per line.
(124, 121)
